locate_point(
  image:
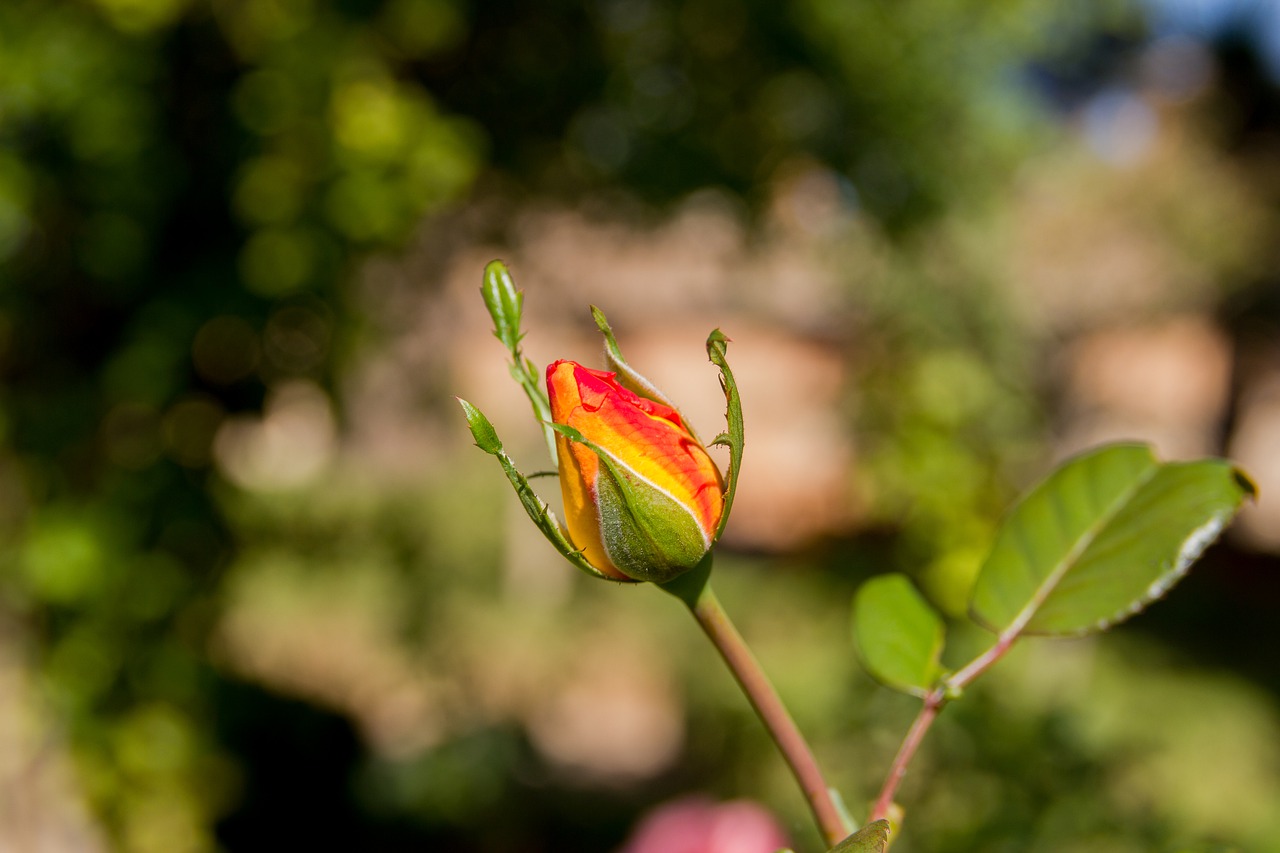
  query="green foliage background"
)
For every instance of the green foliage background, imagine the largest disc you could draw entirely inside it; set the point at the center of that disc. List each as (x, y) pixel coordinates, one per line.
(187, 191)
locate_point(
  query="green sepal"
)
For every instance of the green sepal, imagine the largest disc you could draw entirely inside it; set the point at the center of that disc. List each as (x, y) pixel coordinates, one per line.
(648, 535)
(717, 349)
(630, 378)
(487, 440)
(872, 838)
(688, 587)
(506, 306)
(481, 429)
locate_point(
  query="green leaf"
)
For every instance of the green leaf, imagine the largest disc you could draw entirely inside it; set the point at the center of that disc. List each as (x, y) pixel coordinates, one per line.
(717, 351)
(872, 838)
(487, 440)
(506, 304)
(1101, 538)
(898, 635)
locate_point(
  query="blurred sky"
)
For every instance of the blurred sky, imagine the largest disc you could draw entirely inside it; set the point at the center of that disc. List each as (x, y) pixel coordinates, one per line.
(1257, 21)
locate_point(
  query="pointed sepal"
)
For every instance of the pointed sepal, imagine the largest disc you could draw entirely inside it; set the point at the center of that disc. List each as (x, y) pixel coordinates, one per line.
(648, 534)
(630, 378)
(486, 438)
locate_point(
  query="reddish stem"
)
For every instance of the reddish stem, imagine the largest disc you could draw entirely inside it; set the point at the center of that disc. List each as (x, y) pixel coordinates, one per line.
(934, 701)
(768, 706)
(984, 661)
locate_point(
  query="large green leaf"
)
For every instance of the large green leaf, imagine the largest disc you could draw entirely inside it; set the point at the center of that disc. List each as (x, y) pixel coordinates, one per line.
(1101, 538)
(872, 838)
(898, 635)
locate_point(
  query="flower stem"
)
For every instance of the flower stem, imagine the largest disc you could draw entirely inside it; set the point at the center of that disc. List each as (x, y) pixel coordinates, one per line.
(710, 614)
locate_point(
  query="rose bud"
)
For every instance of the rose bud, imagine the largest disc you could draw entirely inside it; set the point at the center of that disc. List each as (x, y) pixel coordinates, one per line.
(642, 499)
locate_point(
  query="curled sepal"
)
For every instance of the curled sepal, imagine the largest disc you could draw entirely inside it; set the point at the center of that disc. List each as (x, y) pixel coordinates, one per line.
(717, 348)
(486, 438)
(646, 533)
(630, 378)
(872, 838)
(506, 305)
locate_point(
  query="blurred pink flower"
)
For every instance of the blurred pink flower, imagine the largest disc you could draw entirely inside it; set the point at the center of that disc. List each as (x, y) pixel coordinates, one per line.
(700, 825)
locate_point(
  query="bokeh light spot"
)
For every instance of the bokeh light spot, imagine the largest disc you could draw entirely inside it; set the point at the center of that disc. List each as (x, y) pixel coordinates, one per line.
(423, 27)
(113, 246)
(225, 350)
(365, 206)
(266, 101)
(87, 658)
(276, 261)
(131, 435)
(286, 449)
(297, 338)
(141, 16)
(15, 198)
(270, 191)
(63, 560)
(189, 428)
(145, 370)
(113, 126)
(369, 118)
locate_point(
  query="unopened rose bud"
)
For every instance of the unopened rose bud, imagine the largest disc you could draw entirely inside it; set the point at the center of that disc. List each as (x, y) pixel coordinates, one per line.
(642, 498)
